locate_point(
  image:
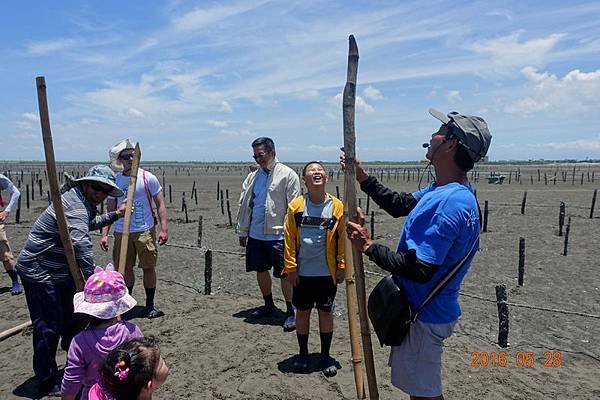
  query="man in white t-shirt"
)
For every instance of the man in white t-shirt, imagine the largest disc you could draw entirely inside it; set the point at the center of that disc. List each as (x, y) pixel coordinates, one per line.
(6, 255)
(142, 230)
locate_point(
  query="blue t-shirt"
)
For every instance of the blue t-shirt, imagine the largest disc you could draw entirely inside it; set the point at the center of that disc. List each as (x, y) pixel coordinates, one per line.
(441, 228)
(257, 223)
(312, 257)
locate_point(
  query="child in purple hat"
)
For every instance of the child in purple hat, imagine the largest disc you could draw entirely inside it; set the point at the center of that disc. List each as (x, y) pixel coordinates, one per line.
(104, 298)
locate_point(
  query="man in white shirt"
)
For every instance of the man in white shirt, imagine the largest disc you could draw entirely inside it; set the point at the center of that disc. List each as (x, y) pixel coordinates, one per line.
(265, 195)
(142, 229)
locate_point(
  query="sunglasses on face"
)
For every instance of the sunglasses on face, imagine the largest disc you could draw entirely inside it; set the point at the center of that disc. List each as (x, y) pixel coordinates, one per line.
(100, 188)
(259, 155)
(126, 157)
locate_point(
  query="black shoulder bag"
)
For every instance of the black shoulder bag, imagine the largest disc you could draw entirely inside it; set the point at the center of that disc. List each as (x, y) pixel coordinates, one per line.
(391, 313)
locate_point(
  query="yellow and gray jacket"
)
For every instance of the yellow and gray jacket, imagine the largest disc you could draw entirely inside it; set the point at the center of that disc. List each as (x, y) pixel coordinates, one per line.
(283, 186)
(334, 244)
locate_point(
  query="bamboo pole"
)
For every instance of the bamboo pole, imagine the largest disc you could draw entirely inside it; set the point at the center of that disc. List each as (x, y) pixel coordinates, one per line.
(13, 331)
(53, 182)
(128, 206)
(355, 260)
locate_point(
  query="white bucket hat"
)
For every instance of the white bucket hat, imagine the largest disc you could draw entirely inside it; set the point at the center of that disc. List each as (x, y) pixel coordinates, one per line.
(114, 152)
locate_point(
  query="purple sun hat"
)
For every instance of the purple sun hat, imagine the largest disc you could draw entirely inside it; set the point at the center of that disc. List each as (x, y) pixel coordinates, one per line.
(105, 295)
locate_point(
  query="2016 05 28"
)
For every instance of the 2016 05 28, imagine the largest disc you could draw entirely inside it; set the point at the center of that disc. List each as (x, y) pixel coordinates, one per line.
(519, 359)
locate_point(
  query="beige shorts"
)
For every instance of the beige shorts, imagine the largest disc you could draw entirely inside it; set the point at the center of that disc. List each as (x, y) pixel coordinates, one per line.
(141, 245)
(5, 252)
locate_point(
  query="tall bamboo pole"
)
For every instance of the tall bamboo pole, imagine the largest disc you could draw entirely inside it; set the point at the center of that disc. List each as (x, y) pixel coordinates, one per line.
(53, 182)
(128, 206)
(350, 204)
(353, 327)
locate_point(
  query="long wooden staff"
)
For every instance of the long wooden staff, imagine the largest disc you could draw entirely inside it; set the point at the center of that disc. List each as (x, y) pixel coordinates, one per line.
(65, 238)
(353, 327)
(128, 205)
(353, 255)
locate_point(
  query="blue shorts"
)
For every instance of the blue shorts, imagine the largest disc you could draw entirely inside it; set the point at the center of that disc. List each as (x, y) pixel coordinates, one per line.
(417, 363)
(262, 255)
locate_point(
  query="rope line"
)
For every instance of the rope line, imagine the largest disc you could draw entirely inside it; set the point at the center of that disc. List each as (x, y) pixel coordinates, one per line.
(474, 296)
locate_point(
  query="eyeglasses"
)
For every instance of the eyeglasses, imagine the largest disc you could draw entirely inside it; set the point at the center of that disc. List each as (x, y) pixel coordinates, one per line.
(100, 188)
(259, 155)
(126, 157)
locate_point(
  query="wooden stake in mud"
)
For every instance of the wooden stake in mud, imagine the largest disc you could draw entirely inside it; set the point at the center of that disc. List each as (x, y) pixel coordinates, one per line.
(523, 203)
(208, 272)
(501, 299)
(128, 206)
(521, 260)
(199, 242)
(567, 230)
(352, 254)
(561, 218)
(485, 216)
(53, 182)
(593, 203)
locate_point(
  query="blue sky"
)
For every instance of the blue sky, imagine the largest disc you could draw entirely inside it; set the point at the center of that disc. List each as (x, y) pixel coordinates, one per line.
(200, 80)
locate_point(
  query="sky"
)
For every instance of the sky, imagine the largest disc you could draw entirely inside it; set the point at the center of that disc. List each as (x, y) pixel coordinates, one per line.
(198, 81)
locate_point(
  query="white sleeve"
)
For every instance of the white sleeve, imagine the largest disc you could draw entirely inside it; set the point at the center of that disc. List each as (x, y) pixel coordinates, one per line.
(14, 197)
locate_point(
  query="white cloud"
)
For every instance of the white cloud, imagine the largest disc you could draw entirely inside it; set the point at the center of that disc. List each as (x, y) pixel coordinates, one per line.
(580, 144)
(50, 46)
(134, 112)
(501, 13)
(372, 93)
(507, 52)
(32, 117)
(218, 124)
(323, 149)
(576, 92)
(225, 107)
(359, 103)
(236, 132)
(202, 17)
(453, 97)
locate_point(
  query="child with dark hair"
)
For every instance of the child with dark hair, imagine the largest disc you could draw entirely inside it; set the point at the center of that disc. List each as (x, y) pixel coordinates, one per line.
(314, 261)
(104, 298)
(132, 371)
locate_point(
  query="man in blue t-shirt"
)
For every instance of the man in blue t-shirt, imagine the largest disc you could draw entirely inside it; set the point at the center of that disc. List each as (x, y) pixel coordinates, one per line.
(442, 227)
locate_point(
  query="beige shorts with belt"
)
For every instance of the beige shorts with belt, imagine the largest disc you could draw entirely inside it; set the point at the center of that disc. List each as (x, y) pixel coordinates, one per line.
(5, 252)
(141, 245)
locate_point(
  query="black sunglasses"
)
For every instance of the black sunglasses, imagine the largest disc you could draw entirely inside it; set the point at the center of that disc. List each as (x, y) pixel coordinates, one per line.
(126, 157)
(260, 155)
(100, 188)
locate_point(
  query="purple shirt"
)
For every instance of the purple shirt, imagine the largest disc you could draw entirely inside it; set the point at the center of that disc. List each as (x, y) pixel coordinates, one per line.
(87, 352)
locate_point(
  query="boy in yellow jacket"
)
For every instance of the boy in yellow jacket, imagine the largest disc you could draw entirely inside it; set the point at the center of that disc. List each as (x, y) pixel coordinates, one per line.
(314, 261)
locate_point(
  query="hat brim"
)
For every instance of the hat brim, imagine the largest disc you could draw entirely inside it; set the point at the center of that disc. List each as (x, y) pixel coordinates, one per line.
(116, 191)
(439, 115)
(114, 152)
(105, 310)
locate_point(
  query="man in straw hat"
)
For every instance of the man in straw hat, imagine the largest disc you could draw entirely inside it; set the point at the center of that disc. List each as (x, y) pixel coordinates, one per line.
(142, 229)
(5, 253)
(442, 228)
(42, 265)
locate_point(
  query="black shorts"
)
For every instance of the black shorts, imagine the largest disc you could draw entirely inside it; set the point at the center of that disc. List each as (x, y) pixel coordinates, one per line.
(314, 291)
(262, 255)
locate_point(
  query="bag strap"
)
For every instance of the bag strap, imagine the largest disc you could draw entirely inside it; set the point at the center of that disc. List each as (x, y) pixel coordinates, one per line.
(444, 281)
(148, 196)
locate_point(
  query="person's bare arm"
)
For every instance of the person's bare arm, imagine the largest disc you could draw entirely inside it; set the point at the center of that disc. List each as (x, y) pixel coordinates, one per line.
(111, 205)
(163, 235)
